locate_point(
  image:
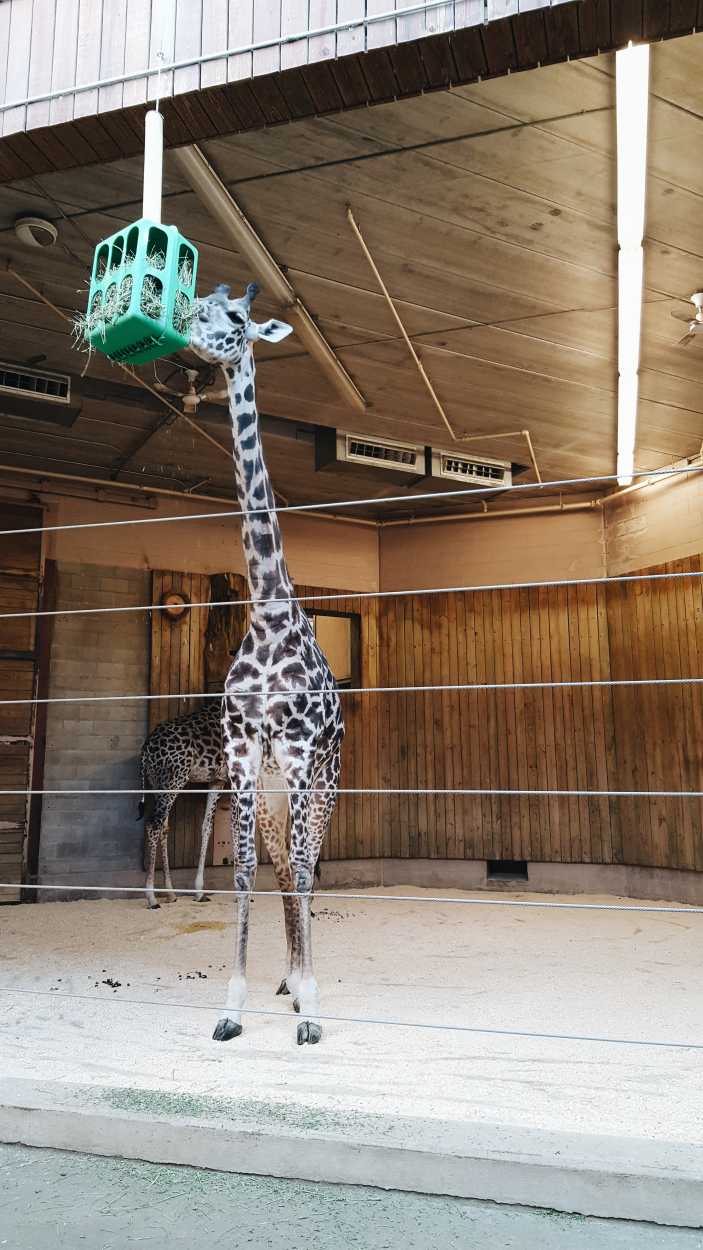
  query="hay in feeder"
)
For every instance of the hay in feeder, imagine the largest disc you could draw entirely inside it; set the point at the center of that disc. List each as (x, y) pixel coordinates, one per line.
(104, 311)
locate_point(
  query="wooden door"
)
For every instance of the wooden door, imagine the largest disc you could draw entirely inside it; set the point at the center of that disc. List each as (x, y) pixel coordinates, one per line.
(20, 591)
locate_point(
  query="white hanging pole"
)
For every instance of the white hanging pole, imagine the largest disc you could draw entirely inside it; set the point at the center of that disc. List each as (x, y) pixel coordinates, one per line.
(153, 165)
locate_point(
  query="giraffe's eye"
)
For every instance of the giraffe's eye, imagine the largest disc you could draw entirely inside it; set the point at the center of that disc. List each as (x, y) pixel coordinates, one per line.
(236, 318)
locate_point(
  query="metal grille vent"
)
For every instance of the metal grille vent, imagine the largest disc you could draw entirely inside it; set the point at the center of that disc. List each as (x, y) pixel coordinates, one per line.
(55, 387)
(463, 469)
(404, 456)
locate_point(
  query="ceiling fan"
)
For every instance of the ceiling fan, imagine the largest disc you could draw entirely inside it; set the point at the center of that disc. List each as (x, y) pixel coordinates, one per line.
(695, 324)
(198, 381)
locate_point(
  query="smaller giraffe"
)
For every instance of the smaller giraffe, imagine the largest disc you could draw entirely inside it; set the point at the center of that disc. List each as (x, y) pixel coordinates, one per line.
(188, 748)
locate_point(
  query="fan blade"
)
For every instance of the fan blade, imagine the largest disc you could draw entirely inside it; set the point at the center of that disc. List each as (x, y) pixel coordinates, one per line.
(681, 316)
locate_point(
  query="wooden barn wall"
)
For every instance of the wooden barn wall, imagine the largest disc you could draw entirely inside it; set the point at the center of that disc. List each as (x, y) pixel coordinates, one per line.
(580, 738)
(357, 826)
(595, 738)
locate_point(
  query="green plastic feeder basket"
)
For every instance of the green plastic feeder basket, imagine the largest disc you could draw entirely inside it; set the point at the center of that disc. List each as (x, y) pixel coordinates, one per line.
(141, 293)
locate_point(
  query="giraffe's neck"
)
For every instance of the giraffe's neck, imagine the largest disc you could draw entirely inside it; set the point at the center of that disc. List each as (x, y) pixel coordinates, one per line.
(267, 572)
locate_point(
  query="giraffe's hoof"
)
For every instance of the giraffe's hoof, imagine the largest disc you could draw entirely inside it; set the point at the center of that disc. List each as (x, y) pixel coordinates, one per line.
(202, 898)
(309, 1032)
(153, 906)
(171, 898)
(296, 1005)
(283, 987)
(225, 1030)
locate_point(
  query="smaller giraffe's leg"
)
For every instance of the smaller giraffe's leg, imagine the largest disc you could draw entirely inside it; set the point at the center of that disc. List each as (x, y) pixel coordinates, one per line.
(152, 838)
(243, 817)
(157, 835)
(205, 833)
(170, 896)
(272, 822)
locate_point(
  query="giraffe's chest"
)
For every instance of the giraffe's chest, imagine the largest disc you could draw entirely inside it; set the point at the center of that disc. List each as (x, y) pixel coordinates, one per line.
(281, 688)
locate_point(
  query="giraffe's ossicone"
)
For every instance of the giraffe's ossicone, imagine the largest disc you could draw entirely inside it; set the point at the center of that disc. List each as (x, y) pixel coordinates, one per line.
(282, 720)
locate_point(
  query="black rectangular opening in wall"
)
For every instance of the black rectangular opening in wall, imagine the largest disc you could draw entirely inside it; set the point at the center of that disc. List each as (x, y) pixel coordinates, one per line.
(506, 869)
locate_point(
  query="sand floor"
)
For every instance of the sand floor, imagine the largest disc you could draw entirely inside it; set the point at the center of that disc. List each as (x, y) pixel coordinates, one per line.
(624, 975)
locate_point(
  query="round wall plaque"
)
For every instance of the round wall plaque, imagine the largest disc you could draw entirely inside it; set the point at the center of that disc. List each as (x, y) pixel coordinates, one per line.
(174, 603)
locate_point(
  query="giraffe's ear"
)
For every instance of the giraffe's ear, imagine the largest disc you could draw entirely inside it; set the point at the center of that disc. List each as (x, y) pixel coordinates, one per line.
(273, 331)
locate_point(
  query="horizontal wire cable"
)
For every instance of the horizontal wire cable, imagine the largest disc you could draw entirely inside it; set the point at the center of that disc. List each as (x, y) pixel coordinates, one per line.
(461, 492)
(377, 1020)
(319, 790)
(308, 690)
(605, 580)
(361, 898)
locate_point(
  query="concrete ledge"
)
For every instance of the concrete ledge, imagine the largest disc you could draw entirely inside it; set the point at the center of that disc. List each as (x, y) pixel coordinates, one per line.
(613, 1177)
(620, 880)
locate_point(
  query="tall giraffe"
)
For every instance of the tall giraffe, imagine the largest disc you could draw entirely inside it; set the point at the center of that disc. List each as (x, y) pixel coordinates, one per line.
(278, 741)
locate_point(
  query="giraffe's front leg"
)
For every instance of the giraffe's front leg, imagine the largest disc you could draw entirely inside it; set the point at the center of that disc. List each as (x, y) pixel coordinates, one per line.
(243, 817)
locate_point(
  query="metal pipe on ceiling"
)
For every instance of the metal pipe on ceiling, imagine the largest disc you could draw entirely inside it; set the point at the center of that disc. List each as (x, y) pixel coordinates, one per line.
(497, 513)
(223, 208)
(136, 488)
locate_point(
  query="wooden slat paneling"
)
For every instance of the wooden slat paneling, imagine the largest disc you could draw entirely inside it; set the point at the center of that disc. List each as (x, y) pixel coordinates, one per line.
(593, 738)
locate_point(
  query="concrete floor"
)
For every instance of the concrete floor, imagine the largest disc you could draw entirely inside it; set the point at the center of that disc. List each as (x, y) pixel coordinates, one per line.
(52, 1200)
(628, 975)
(584, 1105)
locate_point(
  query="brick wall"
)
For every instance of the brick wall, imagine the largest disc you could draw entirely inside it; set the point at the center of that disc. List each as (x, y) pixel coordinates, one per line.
(93, 746)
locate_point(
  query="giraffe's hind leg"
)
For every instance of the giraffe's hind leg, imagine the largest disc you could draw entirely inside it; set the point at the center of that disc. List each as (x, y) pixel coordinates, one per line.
(205, 833)
(157, 836)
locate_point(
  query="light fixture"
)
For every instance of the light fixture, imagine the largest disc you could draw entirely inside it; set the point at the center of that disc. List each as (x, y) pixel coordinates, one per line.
(632, 106)
(36, 232)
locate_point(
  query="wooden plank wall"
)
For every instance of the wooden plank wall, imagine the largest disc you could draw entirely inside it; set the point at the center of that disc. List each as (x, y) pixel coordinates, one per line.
(656, 630)
(357, 825)
(582, 738)
(489, 739)
(590, 738)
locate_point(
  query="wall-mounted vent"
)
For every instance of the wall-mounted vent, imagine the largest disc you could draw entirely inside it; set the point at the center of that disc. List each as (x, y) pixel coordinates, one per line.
(337, 448)
(473, 470)
(409, 457)
(32, 384)
(35, 395)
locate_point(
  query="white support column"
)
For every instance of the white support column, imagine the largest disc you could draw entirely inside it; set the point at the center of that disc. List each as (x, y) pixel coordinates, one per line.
(153, 165)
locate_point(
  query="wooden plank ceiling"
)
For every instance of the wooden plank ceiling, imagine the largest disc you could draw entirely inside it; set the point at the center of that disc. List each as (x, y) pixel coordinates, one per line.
(490, 210)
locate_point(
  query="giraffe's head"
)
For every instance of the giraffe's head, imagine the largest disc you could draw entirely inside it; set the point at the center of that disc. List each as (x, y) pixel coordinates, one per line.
(222, 329)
